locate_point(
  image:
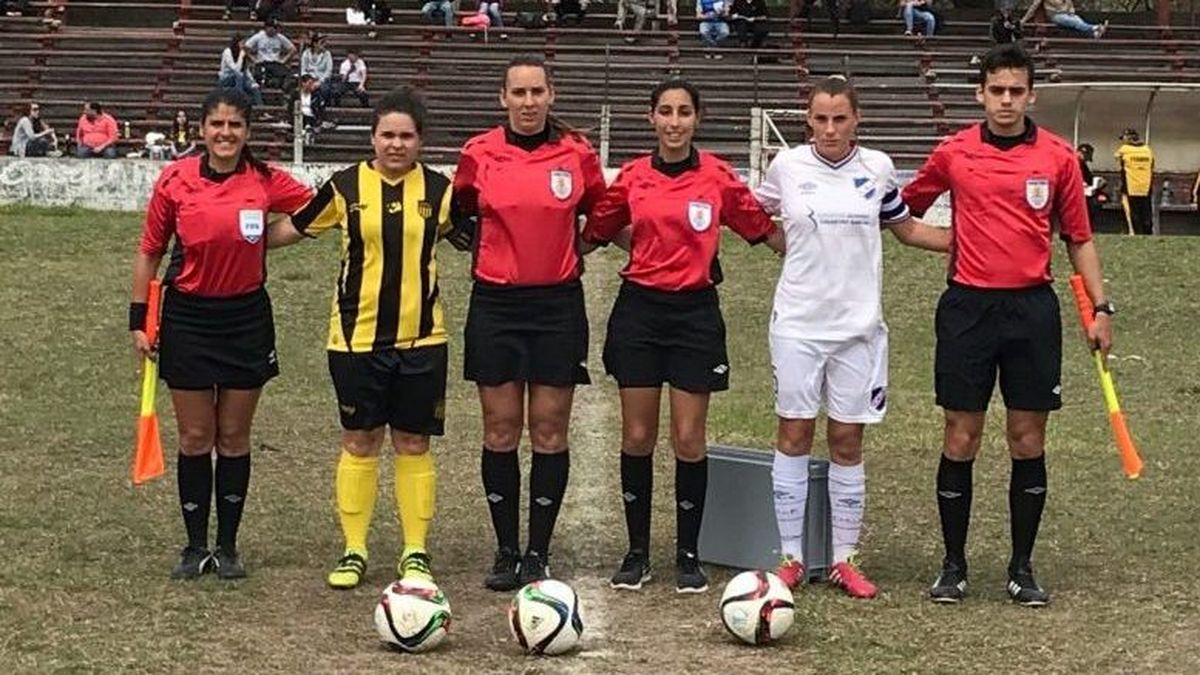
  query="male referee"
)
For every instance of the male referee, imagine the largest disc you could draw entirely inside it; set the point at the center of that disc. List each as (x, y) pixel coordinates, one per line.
(1008, 180)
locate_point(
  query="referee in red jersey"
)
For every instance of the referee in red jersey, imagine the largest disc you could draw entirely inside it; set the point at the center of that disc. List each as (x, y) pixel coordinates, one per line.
(525, 184)
(217, 343)
(1009, 181)
(666, 324)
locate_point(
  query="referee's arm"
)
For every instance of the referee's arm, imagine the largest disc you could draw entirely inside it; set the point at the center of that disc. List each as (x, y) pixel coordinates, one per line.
(1071, 210)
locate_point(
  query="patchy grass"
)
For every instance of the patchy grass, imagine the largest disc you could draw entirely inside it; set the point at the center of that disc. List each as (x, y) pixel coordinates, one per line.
(84, 586)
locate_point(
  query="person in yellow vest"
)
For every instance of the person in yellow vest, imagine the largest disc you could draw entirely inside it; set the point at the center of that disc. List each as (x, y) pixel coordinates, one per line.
(1137, 179)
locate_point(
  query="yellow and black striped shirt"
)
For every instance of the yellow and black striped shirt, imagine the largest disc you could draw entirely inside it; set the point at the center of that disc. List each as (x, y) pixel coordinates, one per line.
(387, 289)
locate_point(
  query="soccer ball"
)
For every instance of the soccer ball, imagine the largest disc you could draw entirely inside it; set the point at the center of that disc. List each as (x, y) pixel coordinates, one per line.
(412, 615)
(544, 618)
(757, 607)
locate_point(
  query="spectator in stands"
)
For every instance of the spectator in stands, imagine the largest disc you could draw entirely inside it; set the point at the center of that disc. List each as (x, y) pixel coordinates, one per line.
(713, 29)
(440, 12)
(494, 11)
(271, 51)
(912, 10)
(639, 8)
(1062, 14)
(316, 60)
(1004, 27)
(352, 79)
(1137, 182)
(312, 98)
(563, 11)
(376, 12)
(749, 19)
(31, 137)
(803, 9)
(235, 71)
(183, 140)
(96, 133)
(15, 7)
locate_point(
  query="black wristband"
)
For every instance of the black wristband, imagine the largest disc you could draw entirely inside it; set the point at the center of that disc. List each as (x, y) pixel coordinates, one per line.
(138, 311)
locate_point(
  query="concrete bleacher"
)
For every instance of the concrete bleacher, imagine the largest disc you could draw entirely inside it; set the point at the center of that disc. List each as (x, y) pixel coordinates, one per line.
(148, 58)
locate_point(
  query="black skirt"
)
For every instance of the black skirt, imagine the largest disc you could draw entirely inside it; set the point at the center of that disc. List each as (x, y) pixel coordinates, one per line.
(228, 343)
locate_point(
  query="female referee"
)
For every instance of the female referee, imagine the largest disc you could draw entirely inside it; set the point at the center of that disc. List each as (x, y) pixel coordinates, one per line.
(666, 324)
(829, 348)
(217, 343)
(387, 335)
(525, 184)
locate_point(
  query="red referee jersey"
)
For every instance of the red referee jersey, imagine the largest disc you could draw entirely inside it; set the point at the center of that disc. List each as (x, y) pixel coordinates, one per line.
(527, 203)
(219, 224)
(1003, 202)
(676, 220)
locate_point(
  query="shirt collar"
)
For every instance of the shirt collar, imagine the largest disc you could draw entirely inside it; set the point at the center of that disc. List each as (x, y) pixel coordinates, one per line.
(207, 172)
(1007, 142)
(675, 168)
(530, 142)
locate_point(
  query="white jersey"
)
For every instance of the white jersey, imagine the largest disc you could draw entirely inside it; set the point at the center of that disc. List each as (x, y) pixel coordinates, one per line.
(831, 284)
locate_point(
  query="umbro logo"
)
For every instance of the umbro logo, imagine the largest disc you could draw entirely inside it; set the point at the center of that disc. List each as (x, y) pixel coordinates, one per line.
(629, 497)
(543, 501)
(347, 409)
(190, 506)
(494, 498)
(232, 499)
(1056, 390)
(949, 494)
(1036, 490)
(356, 206)
(721, 369)
(686, 505)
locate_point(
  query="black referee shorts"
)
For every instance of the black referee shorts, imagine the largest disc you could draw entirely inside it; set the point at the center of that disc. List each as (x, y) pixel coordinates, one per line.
(536, 334)
(401, 388)
(1015, 332)
(228, 343)
(656, 337)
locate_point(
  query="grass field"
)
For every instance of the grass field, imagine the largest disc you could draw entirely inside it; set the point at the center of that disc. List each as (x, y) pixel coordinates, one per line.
(83, 579)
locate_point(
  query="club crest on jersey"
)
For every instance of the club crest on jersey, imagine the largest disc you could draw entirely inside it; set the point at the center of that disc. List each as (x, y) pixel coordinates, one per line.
(1037, 192)
(700, 215)
(561, 184)
(424, 209)
(250, 222)
(865, 186)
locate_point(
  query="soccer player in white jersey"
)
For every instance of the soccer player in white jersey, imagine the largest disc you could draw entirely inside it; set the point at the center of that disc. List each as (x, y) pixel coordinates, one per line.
(828, 339)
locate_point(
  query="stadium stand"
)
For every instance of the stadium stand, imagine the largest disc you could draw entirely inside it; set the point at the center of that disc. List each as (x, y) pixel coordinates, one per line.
(144, 60)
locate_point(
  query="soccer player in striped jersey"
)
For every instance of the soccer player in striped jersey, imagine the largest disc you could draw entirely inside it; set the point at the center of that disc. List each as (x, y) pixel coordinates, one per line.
(387, 335)
(827, 335)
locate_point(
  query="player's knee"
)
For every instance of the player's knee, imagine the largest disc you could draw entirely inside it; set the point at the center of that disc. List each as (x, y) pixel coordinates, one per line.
(690, 444)
(795, 438)
(1028, 445)
(233, 444)
(962, 441)
(845, 444)
(196, 440)
(409, 444)
(548, 434)
(639, 439)
(501, 433)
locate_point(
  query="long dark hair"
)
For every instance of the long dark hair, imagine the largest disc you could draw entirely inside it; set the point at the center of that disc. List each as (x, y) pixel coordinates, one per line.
(534, 61)
(234, 98)
(176, 127)
(235, 44)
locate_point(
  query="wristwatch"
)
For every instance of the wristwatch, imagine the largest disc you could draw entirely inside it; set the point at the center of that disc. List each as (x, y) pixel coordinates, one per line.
(1105, 307)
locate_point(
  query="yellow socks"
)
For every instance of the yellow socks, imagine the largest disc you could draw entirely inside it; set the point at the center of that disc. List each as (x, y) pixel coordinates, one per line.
(416, 488)
(356, 483)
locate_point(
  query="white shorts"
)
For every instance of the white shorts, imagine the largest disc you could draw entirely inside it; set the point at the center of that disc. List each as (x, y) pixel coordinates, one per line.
(848, 377)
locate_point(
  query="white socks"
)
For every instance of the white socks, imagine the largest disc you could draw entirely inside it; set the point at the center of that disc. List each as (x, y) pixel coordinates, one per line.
(790, 478)
(847, 497)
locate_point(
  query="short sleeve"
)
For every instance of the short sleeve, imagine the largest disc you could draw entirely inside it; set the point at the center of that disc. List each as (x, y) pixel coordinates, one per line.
(892, 208)
(610, 214)
(159, 225)
(931, 181)
(769, 191)
(325, 210)
(466, 193)
(741, 212)
(594, 185)
(285, 193)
